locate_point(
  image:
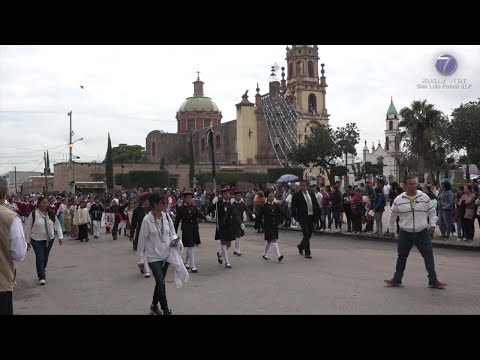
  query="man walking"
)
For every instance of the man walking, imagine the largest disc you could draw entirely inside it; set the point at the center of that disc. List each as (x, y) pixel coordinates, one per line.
(12, 247)
(417, 221)
(304, 209)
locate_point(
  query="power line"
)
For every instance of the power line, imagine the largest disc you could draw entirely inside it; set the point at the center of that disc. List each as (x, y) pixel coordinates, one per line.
(109, 115)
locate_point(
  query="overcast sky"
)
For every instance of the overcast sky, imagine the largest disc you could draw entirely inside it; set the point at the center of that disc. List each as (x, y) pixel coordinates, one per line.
(132, 90)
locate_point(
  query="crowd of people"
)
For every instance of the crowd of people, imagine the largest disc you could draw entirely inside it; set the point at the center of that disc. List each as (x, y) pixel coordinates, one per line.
(151, 221)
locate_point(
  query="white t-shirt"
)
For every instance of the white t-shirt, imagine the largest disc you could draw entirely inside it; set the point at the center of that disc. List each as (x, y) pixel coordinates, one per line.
(319, 197)
(386, 189)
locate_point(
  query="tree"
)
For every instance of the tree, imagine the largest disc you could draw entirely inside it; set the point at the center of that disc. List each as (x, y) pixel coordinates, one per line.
(359, 171)
(162, 163)
(418, 122)
(320, 149)
(124, 153)
(191, 172)
(347, 138)
(464, 129)
(109, 165)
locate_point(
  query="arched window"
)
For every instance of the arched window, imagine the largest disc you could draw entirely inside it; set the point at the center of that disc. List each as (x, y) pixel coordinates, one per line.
(154, 149)
(299, 68)
(390, 125)
(387, 143)
(312, 104)
(310, 69)
(290, 70)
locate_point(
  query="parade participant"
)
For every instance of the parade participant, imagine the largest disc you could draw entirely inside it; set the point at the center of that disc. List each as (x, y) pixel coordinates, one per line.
(12, 248)
(82, 219)
(62, 209)
(229, 225)
(40, 231)
(159, 243)
(304, 210)
(241, 208)
(73, 227)
(170, 202)
(67, 220)
(139, 213)
(96, 212)
(417, 221)
(189, 214)
(272, 214)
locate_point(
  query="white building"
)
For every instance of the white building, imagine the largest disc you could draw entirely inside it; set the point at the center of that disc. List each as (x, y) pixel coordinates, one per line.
(391, 146)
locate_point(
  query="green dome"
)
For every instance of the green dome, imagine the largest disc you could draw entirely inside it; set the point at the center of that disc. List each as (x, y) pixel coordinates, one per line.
(198, 103)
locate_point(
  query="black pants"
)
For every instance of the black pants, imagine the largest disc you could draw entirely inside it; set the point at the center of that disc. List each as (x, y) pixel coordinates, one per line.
(357, 223)
(159, 270)
(6, 303)
(307, 231)
(83, 232)
(115, 230)
(468, 228)
(135, 243)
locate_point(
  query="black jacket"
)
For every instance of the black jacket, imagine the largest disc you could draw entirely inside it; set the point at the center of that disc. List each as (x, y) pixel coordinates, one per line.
(299, 206)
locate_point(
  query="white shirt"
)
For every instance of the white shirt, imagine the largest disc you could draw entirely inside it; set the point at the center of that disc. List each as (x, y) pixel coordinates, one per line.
(38, 231)
(61, 209)
(386, 189)
(305, 194)
(319, 197)
(18, 245)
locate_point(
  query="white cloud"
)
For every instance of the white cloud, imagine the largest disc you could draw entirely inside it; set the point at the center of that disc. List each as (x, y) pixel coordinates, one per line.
(131, 90)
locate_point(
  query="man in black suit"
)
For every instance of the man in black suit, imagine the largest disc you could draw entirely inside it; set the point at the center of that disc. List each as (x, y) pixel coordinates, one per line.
(304, 209)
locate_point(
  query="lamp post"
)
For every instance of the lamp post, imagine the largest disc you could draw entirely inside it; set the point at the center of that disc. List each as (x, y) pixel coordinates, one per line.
(72, 169)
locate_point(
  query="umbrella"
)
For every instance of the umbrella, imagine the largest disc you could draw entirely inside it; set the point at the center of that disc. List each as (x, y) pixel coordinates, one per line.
(287, 178)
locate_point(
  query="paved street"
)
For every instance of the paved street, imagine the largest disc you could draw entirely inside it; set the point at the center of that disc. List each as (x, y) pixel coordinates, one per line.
(345, 276)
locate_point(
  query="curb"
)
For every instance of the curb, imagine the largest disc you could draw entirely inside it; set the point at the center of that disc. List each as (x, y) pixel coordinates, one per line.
(435, 243)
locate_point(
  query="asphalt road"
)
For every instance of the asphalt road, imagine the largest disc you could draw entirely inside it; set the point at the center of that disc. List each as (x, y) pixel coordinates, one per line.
(345, 276)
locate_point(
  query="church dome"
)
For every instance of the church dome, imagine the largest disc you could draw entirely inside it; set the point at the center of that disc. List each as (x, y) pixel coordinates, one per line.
(198, 103)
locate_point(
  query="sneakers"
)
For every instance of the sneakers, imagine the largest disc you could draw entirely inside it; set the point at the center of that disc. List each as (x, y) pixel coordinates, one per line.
(265, 257)
(392, 282)
(187, 266)
(238, 253)
(194, 270)
(228, 266)
(147, 275)
(280, 258)
(42, 281)
(437, 285)
(154, 310)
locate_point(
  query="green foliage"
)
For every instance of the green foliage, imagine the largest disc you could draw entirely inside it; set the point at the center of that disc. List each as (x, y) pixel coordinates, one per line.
(421, 123)
(109, 165)
(124, 153)
(321, 149)
(339, 170)
(347, 138)
(274, 174)
(143, 179)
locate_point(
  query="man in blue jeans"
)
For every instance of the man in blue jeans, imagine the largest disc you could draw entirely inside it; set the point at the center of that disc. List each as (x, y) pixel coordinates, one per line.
(417, 221)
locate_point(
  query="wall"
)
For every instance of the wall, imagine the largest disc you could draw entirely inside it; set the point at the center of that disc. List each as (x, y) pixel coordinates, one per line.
(37, 185)
(246, 134)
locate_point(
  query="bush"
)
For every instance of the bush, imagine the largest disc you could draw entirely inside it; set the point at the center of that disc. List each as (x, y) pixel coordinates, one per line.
(143, 179)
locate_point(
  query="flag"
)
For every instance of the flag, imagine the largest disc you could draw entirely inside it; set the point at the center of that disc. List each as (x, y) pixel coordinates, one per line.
(212, 149)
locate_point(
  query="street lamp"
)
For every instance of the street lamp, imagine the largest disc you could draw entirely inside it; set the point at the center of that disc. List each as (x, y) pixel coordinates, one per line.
(72, 172)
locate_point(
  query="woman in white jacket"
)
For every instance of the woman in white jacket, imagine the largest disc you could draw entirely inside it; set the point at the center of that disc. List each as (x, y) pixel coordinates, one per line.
(159, 244)
(82, 219)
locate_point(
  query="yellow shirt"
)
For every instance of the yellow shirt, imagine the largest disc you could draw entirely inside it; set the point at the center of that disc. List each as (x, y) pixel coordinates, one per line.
(412, 197)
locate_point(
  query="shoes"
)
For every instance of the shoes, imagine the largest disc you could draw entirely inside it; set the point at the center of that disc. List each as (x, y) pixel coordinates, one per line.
(187, 266)
(437, 285)
(265, 257)
(219, 258)
(392, 282)
(167, 312)
(194, 270)
(154, 310)
(237, 253)
(96, 237)
(280, 258)
(147, 275)
(308, 256)
(300, 250)
(228, 266)
(42, 281)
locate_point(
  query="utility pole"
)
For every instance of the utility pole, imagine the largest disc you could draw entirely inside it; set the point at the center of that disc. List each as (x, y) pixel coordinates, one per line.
(15, 180)
(46, 178)
(70, 161)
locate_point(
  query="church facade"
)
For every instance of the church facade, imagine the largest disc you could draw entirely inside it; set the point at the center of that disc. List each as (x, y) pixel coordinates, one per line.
(263, 130)
(391, 147)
